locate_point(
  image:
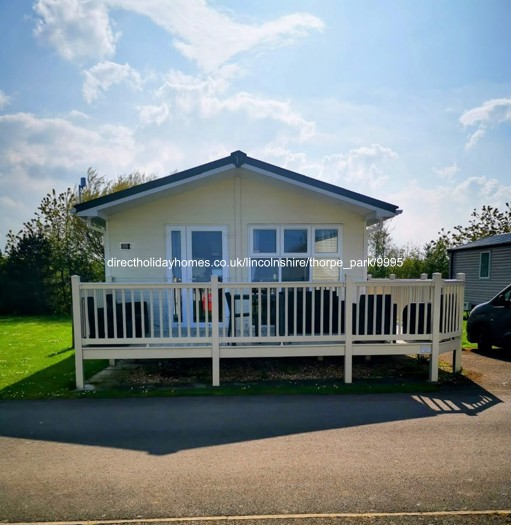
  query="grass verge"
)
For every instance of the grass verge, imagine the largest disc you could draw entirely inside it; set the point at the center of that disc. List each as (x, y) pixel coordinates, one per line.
(37, 358)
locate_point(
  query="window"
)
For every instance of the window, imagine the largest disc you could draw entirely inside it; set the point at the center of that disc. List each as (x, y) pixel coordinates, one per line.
(326, 240)
(295, 241)
(285, 252)
(484, 265)
(175, 239)
(265, 241)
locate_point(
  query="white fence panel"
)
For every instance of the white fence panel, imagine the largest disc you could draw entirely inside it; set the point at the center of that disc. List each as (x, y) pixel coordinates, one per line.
(377, 316)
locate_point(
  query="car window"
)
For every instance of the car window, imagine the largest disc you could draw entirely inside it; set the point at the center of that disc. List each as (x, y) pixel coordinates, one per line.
(503, 298)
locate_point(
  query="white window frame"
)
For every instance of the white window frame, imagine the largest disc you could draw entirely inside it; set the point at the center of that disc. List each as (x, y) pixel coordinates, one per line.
(169, 228)
(281, 254)
(481, 266)
(295, 255)
(327, 255)
(251, 240)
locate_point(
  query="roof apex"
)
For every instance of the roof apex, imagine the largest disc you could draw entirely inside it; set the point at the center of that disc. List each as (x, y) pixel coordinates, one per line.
(238, 158)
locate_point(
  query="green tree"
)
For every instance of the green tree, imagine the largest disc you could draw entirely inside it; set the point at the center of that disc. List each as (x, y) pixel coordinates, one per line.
(436, 258)
(67, 245)
(71, 246)
(489, 221)
(484, 223)
(412, 263)
(4, 283)
(382, 246)
(23, 289)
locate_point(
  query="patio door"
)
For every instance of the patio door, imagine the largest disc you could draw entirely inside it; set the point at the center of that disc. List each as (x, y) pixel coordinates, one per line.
(198, 253)
(206, 251)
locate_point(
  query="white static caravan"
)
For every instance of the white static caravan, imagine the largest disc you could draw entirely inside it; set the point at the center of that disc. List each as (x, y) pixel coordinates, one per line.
(238, 257)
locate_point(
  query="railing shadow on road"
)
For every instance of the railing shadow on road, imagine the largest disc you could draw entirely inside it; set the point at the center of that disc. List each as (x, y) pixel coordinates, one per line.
(472, 403)
(161, 426)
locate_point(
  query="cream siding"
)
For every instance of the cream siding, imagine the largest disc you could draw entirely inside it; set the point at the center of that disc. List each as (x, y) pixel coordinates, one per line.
(236, 199)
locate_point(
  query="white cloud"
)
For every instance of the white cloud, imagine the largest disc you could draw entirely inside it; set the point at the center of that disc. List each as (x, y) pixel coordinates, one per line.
(75, 114)
(497, 110)
(211, 38)
(475, 137)
(82, 30)
(77, 30)
(7, 202)
(151, 114)
(202, 33)
(102, 76)
(448, 172)
(285, 157)
(427, 210)
(36, 144)
(489, 115)
(19, 205)
(4, 99)
(359, 168)
(258, 108)
(38, 154)
(206, 96)
(205, 85)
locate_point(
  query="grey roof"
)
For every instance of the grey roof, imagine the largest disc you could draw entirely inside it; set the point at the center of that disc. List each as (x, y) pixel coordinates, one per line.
(486, 242)
(237, 159)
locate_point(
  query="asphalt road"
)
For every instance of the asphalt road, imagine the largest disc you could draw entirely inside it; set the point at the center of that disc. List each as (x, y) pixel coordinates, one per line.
(251, 456)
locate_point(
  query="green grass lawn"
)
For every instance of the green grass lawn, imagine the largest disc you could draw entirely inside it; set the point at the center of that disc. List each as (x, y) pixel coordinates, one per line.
(37, 358)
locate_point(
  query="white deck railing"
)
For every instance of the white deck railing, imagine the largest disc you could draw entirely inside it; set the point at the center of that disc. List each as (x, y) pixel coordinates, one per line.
(221, 320)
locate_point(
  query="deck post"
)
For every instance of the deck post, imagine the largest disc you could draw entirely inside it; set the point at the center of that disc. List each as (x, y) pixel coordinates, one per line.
(215, 331)
(77, 331)
(456, 357)
(348, 330)
(435, 326)
(108, 279)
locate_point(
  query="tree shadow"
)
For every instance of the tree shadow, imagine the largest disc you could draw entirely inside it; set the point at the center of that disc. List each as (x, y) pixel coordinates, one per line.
(161, 426)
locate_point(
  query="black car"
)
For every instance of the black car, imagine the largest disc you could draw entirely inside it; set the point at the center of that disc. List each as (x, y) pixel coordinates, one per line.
(490, 323)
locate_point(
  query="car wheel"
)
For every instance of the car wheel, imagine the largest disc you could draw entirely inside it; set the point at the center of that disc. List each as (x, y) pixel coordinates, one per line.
(484, 343)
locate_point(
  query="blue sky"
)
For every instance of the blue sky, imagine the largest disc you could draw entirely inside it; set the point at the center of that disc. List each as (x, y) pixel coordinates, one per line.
(409, 102)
